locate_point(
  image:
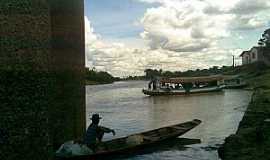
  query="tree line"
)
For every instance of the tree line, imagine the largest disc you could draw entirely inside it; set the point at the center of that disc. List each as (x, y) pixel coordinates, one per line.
(102, 77)
(150, 73)
(99, 77)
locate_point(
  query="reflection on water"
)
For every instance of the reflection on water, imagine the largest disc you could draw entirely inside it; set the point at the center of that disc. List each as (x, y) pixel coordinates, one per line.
(127, 110)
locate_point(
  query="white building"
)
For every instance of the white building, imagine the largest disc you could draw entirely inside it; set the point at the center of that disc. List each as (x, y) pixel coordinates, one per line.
(255, 54)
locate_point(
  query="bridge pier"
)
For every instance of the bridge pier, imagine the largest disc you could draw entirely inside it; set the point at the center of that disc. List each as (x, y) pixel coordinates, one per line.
(42, 93)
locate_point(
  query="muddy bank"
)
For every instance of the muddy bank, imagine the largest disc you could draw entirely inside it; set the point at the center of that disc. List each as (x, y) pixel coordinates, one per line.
(252, 139)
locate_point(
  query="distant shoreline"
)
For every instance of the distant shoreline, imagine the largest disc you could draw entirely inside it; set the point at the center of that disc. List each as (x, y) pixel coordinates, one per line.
(96, 83)
(101, 83)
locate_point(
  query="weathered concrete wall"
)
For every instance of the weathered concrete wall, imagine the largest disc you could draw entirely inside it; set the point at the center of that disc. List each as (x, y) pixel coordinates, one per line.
(42, 99)
(67, 27)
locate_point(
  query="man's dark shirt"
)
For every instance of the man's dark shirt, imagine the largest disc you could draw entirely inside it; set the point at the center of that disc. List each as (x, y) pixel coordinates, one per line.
(91, 134)
(95, 133)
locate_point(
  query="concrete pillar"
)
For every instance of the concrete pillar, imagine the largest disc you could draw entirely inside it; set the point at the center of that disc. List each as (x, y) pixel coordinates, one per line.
(42, 94)
(67, 35)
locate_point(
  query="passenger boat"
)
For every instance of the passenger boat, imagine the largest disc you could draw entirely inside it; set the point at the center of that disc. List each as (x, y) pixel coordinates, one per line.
(160, 92)
(136, 142)
(185, 85)
(234, 82)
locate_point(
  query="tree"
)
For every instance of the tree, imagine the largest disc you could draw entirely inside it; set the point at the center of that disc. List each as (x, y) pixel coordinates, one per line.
(100, 77)
(265, 40)
(168, 74)
(150, 73)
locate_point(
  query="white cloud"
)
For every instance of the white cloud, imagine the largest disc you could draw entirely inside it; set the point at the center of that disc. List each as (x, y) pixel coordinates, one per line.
(247, 22)
(181, 35)
(121, 60)
(239, 9)
(183, 26)
(250, 6)
(89, 32)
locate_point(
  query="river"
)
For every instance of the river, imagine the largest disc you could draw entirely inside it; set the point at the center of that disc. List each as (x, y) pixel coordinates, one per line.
(127, 110)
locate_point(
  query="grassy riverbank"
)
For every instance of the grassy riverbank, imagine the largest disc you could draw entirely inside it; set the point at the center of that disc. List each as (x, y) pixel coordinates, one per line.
(252, 139)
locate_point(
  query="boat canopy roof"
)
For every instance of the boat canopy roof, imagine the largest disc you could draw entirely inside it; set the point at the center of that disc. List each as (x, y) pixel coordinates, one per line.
(230, 77)
(192, 79)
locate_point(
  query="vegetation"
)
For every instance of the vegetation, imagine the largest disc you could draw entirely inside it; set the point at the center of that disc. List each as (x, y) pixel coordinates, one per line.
(136, 78)
(265, 40)
(99, 77)
(149, 73)
(252, 139)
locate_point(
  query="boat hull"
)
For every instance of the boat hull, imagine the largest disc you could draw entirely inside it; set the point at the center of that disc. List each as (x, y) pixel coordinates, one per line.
(239, 86)
(148, 138)
(182, 92)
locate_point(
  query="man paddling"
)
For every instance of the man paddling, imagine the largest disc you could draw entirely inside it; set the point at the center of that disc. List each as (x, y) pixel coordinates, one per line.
(94, 133)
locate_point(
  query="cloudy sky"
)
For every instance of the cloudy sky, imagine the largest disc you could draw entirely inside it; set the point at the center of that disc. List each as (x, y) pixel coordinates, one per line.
(124, 37)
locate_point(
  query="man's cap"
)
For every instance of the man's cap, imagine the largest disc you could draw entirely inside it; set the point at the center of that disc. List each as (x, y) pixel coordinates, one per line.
(95, 116)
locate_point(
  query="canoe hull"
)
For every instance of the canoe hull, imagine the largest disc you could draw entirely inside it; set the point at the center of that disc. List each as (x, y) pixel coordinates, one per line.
(149, 138)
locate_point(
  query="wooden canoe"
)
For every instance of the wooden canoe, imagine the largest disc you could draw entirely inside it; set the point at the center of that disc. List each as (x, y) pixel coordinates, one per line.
(136, 142)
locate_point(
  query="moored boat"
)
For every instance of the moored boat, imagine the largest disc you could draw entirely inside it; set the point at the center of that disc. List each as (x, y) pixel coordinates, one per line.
(136, 142)
(234, 82)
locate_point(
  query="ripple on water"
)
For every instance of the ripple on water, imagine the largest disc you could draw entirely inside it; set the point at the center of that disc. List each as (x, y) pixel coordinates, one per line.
(124, 108)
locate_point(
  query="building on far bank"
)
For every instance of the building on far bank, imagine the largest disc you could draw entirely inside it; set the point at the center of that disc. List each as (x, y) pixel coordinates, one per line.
(256, 54)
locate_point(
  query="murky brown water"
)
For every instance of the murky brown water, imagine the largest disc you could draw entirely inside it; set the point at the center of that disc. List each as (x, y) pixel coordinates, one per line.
(127, 110)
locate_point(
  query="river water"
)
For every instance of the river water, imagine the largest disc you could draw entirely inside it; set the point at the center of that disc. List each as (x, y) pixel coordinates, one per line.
(127, 110)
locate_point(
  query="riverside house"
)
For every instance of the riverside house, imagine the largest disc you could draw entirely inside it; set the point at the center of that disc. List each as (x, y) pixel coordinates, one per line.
(256, 54)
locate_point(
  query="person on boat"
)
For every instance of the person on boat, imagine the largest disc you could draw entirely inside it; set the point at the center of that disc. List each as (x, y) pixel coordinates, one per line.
(94, 133)
(149, 85)
(154, 83)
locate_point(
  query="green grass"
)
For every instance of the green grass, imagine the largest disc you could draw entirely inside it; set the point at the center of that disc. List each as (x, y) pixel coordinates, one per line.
(252, 140)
